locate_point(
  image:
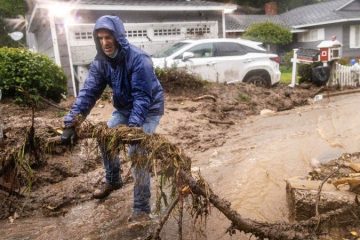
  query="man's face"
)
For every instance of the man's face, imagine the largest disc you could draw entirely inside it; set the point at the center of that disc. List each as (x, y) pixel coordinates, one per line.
(107, 42)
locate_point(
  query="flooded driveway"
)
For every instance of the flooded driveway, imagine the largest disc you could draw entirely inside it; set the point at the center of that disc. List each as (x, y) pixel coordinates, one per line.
(249, 170)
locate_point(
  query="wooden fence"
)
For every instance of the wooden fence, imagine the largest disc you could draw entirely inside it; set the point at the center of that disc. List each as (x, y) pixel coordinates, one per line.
(344, 76)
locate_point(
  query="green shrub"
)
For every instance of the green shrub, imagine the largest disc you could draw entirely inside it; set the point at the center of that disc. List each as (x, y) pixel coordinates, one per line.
(24, 75)
(286, 60)
(344, 61)
(305, 73)
(268, 33)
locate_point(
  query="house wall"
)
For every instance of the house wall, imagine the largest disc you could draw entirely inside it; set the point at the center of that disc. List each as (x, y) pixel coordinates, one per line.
(347, 51)
(64, 54)
(151, 37)
(44, 40)
(84, 53)
(154, 16)
(31, 41)
(342, 33)
(329, 32)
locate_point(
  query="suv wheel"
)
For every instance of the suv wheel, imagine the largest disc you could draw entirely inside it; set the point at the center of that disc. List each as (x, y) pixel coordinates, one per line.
(258, 80)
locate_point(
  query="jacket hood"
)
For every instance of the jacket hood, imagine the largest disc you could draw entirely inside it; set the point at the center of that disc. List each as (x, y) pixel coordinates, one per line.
(116, 26)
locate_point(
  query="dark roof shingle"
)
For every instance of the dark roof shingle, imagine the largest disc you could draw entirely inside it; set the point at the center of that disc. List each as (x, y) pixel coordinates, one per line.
(314, 14)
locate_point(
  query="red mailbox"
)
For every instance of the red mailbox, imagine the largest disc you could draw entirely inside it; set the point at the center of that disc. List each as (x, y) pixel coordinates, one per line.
(329, 50)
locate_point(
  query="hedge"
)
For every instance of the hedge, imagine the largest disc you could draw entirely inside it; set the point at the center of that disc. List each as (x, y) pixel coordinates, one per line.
(24, 73)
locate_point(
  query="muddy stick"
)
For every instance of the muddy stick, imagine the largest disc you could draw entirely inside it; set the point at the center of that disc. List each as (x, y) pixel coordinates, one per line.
(259, 229)
(320, 189)
(299, 230)
(156, 234)
(205, 97)
(180, 220)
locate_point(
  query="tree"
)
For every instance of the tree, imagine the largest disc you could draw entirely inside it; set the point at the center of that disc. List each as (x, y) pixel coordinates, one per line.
(11, 9)
(268, 33)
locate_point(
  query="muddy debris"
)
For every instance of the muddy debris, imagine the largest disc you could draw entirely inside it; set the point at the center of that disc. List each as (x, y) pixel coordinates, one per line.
(328, 187)
(66, 177)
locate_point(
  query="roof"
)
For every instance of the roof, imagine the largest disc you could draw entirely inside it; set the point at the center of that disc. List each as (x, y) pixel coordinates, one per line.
(242, 22)
(320, 13)
(125, 5)
(329, 43)
(310, 15)
(140, 5)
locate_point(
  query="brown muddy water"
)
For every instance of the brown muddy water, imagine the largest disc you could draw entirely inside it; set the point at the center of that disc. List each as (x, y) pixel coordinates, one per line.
(249, 170)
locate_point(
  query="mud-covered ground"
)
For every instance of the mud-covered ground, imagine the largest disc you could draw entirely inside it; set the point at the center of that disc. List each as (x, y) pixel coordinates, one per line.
(194, 121)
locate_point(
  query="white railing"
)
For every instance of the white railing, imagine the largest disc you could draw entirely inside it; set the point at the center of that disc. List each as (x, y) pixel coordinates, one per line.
(345, 76)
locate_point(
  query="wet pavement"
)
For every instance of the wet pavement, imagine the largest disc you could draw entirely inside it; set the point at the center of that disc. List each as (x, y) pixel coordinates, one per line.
(250, 169)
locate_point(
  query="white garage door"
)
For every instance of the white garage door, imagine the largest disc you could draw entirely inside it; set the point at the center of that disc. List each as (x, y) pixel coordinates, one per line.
(149, 36)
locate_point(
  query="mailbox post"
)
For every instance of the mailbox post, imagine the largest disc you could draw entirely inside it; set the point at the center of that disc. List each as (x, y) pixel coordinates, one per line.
(329, 50)
(305, 56)
(326, 51)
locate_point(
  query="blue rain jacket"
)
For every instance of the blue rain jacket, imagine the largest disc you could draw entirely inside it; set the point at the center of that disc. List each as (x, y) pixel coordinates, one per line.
(137, 92)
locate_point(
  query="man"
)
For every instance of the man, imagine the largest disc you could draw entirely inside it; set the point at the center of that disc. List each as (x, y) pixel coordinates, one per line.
(137, 98)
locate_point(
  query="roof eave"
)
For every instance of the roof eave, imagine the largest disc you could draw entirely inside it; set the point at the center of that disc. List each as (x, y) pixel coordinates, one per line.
(243, 30)
(338, 9)
(298, 30)
(235, 30)
(326, 22)
(101, 7)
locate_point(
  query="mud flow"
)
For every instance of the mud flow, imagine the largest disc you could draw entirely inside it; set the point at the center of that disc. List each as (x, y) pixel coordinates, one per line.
(245, 140)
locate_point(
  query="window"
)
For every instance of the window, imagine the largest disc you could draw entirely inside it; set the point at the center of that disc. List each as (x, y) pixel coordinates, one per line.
(198, 30)
(83, 35)
(202, 50)
(169, 51)
(312, 35)
(167, 31)
(232, 49)
(355, 36)
(136, 33)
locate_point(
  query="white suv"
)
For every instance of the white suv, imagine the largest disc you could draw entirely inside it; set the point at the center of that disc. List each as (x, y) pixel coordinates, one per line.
(223, 60)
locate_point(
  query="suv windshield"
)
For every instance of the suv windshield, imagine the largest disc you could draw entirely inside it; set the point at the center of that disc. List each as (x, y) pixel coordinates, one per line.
(167, 52)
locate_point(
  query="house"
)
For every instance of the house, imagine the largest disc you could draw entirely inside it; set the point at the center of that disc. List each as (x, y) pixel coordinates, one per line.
(63, 29)
(311, 24)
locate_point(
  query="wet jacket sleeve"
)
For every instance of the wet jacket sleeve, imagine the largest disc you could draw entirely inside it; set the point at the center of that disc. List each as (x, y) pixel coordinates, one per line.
(141, 77)
(93, 87)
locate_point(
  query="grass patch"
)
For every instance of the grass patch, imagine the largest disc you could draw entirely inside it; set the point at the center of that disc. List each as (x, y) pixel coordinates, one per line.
(286, 75)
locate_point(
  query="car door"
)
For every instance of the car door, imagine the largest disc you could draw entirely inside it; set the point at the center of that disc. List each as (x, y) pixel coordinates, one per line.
(230, 61)
(200, 62)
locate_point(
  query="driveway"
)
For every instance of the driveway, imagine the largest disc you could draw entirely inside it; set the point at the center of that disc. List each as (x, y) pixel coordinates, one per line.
(250, 169)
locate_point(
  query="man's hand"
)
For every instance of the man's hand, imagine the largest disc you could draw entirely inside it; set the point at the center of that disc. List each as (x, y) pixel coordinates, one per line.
(68, 137)
(132, 125)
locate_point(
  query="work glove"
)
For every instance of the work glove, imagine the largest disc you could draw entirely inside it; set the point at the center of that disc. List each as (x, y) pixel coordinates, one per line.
(68, 137)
